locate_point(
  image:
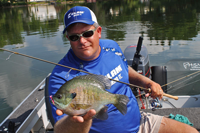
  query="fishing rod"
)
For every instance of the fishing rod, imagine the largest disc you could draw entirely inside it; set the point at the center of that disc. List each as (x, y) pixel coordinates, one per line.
(149, 90)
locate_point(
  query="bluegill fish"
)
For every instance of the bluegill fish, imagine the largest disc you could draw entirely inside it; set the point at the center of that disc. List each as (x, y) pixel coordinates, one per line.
(82, 93)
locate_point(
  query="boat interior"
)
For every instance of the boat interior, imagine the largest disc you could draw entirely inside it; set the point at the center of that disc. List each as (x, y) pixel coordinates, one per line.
(34, 113)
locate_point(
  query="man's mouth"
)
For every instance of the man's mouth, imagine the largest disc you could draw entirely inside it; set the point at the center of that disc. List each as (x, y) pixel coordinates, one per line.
(84, 47)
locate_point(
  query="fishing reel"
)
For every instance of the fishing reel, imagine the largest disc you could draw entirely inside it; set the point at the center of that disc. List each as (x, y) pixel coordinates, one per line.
(155, 104)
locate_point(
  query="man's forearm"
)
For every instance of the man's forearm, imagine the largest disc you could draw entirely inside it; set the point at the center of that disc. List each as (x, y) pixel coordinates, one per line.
(66, 125)
(138, 79)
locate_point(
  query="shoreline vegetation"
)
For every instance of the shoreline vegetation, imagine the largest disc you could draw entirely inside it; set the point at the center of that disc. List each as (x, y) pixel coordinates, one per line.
(9, 4)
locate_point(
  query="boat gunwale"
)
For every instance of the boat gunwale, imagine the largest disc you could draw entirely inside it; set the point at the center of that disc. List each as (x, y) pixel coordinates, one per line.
(38, 86)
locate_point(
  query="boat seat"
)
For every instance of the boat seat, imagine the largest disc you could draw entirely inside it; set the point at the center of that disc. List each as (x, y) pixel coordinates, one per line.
(47, 101)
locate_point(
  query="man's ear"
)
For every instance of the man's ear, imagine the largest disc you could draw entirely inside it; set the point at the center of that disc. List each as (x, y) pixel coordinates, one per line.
(99, 31)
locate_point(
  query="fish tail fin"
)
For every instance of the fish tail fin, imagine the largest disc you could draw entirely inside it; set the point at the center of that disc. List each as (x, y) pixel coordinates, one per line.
(121, 103)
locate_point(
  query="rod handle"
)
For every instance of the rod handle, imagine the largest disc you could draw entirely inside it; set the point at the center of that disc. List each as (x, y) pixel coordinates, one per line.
(167, 95)
(170, 96)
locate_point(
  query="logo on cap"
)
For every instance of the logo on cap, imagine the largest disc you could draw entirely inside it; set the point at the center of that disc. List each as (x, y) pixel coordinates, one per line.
(75, 14)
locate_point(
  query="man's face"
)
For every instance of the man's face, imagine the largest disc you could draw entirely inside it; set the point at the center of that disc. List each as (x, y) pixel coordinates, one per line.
(85, 48)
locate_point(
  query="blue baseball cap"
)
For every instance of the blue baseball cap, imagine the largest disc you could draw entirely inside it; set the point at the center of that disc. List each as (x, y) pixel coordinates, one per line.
(79, 14)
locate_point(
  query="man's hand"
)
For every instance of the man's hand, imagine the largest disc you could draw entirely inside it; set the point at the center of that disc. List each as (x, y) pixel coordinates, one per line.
(74, 124)
(89, 115)
(140, 80)
(156, 90)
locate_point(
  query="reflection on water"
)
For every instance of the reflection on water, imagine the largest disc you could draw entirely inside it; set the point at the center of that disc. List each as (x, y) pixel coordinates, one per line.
(43, 13)
(170, 31)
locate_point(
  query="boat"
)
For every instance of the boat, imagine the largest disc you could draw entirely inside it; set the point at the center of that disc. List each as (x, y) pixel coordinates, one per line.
(175, 70)
(30, 115)
(33, 114)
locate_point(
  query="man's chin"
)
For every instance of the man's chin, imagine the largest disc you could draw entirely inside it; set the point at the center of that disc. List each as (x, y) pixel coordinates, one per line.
(86, 57)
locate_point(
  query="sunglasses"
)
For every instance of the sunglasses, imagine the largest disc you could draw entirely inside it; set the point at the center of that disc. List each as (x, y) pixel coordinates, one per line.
(86, 34)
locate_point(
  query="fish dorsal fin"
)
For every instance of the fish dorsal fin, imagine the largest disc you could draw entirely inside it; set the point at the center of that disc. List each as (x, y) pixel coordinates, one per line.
(103, 79)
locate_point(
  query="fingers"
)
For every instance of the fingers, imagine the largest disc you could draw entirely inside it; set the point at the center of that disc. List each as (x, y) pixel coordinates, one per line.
(59, 112)
(88, 116)
(78, 119)
(156, 91)
(161, 94)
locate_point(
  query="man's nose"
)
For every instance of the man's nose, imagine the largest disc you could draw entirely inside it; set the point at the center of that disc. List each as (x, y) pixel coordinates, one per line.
(82, 40)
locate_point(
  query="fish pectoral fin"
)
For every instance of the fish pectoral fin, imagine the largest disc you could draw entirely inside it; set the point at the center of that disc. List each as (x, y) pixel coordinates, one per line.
(102, 114)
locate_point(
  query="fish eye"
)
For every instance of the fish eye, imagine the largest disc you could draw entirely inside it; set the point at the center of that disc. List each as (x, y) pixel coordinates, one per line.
(59, 96)
(73, 95)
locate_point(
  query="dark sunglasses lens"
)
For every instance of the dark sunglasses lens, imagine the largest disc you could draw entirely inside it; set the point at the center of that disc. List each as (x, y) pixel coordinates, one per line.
(88, 34)
(73, 37)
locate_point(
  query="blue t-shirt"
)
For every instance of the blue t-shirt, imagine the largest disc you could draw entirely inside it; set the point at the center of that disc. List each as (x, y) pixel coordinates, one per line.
(111, 63)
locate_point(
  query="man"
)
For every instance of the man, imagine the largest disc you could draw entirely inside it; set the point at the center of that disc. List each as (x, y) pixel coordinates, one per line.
(104, 57)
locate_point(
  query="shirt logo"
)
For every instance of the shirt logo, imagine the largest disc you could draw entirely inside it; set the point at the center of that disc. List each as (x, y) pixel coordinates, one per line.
(116, 74)
(75, 14)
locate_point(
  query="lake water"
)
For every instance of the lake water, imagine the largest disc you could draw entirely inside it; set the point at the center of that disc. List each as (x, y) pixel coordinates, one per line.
(170, 30)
